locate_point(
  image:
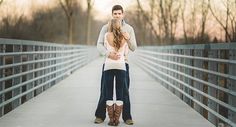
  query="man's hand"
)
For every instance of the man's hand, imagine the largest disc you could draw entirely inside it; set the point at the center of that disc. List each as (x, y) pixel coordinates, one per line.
(114, 56)
(126, 36)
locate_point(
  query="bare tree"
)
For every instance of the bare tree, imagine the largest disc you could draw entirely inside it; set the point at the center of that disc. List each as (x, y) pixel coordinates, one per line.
(204, 13)
(169, 14)
(141, 20)
(183, 8)
(148, 19)
(11, 26)
(152, 6)
(164, 19)
(90, 4)
(174, 8)
(67, 6)
(194, 23)
(229, 21)
(192, 29)
(232, 18)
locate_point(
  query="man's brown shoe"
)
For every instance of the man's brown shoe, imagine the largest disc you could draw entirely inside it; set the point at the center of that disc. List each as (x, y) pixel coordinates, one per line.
(129, 122)
(98, 120)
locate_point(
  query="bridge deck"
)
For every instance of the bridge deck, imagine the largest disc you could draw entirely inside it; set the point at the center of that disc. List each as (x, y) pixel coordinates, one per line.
(72, 103)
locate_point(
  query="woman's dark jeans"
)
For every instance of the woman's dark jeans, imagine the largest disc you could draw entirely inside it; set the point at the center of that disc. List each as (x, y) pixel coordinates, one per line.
(109, 76)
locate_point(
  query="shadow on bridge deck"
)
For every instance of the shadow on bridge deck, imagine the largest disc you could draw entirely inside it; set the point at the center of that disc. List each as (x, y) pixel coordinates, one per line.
(72, 103)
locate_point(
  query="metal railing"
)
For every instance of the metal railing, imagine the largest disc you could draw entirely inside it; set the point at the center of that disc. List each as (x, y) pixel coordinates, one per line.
(27, 68)
(202, 75)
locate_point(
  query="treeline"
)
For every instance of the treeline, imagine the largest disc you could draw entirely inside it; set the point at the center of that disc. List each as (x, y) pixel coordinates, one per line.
(163, 22)
(49, 25)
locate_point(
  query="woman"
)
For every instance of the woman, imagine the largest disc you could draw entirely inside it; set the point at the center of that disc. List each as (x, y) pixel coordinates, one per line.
(115, 42)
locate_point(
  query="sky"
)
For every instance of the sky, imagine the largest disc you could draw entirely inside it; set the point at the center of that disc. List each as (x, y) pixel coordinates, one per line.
(101, 8)
(25, 7)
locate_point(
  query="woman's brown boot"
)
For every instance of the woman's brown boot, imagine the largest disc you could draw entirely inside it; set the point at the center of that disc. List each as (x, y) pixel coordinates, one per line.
(117, 113)
(110, 110)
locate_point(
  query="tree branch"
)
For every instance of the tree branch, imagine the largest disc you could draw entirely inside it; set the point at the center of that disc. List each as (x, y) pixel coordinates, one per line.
(148, 19)
(65, 8)
(1, 1)
(218, 20)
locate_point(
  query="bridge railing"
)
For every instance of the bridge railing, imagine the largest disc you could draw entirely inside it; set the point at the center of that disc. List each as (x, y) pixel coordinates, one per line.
(27, 68)
(202, 75)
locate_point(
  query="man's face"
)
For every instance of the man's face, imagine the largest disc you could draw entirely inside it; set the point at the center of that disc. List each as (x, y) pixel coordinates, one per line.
(117, 14)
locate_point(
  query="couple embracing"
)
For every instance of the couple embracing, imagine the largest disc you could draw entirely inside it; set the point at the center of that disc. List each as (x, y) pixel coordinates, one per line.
(115, 40)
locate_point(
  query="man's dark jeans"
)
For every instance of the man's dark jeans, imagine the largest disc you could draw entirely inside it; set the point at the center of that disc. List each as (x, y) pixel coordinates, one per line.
(101, 108)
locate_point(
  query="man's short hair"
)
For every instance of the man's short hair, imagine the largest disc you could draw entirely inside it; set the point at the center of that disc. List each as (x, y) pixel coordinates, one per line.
(117, 7)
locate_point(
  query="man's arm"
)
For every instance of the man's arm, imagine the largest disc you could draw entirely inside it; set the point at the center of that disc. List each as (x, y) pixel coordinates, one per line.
(132, 40)
(100, 42)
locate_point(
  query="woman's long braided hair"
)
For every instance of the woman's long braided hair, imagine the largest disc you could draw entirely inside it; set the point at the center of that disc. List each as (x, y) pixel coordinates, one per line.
(115, 28)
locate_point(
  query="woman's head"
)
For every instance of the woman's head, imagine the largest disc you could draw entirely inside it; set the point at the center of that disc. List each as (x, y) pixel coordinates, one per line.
(114, 24)
(115, 28)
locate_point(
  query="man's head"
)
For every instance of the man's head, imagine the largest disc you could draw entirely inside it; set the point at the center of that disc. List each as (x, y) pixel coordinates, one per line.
(117, 12)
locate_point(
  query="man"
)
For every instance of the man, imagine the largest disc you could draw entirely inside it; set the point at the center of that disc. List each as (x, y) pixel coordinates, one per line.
(117, 13)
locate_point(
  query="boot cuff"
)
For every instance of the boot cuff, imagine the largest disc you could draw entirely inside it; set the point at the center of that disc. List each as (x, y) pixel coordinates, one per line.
(119, 103)
(109, 102)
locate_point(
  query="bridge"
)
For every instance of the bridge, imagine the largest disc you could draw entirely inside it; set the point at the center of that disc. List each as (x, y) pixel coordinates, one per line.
(54, 85)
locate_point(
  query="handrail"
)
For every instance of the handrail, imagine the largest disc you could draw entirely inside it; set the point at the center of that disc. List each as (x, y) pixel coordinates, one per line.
(27, 68)
(201, 75)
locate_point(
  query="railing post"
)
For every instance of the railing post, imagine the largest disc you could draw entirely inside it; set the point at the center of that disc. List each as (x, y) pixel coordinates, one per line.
(161, 69)
(185, 79)
(212, 91)
(16, 70)
(205, 78)
(178, 68)
(232, 84)
(222, 82)
(2, 84)
(166, 65)
(197, 74)
(174, 67)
